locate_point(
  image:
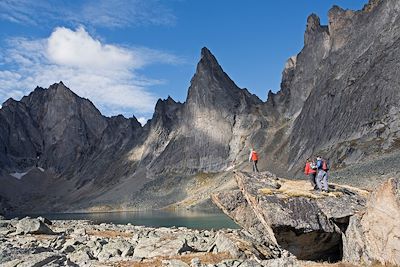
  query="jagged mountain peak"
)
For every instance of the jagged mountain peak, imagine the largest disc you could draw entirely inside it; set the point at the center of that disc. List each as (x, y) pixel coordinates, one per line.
(314, 30)
(61, 88)
(371, 5)
(211, 85)
(169, 101)
(207, 57)
(165, 108)
(208, 65)
(313, 22)
(9, 102)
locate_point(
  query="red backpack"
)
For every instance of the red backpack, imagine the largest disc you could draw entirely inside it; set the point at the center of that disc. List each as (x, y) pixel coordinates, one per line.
(325, 165)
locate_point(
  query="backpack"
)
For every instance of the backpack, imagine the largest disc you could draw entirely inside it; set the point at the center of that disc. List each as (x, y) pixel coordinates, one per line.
(313, 166)
(325, 165)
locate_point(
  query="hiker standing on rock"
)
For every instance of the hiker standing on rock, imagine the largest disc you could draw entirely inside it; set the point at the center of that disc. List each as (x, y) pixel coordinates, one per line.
(311, 171)
(322, 177)
(254, 157)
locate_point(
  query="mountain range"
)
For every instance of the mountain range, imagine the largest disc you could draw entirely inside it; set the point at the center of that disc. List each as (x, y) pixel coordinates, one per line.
(339, 98)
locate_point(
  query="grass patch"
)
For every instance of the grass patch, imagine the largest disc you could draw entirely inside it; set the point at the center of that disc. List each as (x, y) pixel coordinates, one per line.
(109, 233)
(300, 193)
(301, 188)
(204, 257)
(267, 191)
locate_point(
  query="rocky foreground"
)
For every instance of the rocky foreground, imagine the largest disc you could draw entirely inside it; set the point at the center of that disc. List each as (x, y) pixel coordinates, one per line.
(39, 242)
(347, 224)
(285, 223)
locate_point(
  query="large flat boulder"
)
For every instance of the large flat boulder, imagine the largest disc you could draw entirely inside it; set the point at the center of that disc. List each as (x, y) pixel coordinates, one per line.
(38, 260)
(290, 214)
(373, 235)
(32, 226)
(153, 247)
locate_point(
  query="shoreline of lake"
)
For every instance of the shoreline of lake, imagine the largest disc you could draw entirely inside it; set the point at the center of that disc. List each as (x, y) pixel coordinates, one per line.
(150, 218)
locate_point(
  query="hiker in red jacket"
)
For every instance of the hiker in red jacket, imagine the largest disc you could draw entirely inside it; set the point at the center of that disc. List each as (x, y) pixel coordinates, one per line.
(311, 171)
(254, 157)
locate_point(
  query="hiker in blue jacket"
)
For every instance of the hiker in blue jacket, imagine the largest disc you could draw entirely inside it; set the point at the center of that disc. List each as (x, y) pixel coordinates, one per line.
(322, 176)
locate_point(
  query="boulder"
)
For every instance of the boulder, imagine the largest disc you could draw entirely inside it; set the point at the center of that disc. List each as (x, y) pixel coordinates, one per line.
(225, 244)
(373, 235)
(4, 223)
(44, 220)
(127, 252)
(81, 257)
(112, 249)
(241, 246)
(195, 262)
(38, 260)
(58, 243)
(236, 206)
(291, 215)
(153, 247)
(32, 226)
(79, 232)
(174, 263)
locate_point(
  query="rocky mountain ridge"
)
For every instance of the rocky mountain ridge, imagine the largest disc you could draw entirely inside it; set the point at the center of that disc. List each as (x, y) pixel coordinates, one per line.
(339, 97)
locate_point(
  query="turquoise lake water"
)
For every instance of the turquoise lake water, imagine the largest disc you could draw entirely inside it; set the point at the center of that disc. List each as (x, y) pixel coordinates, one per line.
(157, 218)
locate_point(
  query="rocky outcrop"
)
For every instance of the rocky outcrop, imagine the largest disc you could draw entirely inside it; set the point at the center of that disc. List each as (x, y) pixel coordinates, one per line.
(373, 235)
(236, 206)
(306, 223)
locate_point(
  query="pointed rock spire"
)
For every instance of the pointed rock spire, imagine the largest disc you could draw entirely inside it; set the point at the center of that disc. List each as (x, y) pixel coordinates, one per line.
(210, 83)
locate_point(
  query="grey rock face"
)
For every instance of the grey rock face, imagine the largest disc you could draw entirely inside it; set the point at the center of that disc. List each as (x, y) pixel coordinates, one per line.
(373, 235)
(351, 110)
(236, 205)
(205, 126)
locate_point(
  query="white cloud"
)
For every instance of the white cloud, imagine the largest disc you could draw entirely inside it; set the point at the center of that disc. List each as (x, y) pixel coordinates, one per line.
(79, 49)
(103, 13)
(104, 73)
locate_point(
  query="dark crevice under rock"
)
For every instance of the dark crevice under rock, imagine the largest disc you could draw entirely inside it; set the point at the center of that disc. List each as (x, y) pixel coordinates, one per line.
(315, 245)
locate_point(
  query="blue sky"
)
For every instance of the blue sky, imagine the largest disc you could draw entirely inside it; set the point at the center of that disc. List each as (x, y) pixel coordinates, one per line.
(125, 54)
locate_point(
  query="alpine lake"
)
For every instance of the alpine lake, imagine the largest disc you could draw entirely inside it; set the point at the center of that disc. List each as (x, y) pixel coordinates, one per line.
(151, 218)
